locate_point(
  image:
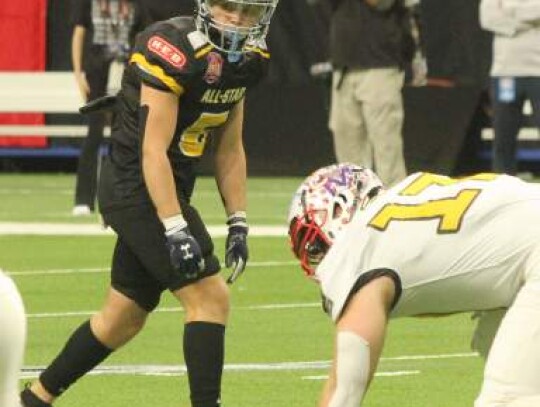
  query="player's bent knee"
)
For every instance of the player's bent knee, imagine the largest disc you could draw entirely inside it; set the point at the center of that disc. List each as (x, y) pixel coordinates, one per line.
(206, 300)
(115, 332)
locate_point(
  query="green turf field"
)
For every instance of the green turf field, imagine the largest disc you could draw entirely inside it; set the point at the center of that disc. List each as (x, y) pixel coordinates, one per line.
(279, 341)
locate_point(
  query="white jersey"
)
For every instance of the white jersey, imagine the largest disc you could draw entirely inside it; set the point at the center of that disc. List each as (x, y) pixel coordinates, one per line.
(453, 244)
(12, 341)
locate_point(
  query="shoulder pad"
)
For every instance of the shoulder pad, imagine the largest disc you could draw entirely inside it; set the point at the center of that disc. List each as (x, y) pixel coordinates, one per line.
(165, 55)
(258, 47)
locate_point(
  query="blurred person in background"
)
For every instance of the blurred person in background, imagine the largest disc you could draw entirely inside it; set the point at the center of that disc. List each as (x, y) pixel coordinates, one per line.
(515, 72)
(429, 246)
(12, 341)
(157, 10)
(370, 44)
(183, 88)
(102, 33)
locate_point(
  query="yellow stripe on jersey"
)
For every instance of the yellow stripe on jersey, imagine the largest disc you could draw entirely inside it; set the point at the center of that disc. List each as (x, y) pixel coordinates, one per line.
(157, 72)
(203, 51)
(260, 51)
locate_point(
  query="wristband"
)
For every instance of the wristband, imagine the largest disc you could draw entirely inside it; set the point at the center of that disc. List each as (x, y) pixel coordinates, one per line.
(237, 218)
(174, 223)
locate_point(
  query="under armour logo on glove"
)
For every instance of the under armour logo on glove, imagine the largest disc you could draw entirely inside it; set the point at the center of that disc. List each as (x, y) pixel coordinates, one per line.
(184, 251)
(236, 249)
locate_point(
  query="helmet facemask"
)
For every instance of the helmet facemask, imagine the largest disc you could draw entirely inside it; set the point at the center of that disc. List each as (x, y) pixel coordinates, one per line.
(308, 242)
(230, 25)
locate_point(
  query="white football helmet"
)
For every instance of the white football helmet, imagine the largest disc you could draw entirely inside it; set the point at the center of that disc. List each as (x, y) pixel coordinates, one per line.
(254, 19)
(323, 204)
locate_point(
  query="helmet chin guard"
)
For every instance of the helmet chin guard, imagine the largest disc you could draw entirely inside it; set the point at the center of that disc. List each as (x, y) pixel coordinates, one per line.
(230, 37)
(323, 205)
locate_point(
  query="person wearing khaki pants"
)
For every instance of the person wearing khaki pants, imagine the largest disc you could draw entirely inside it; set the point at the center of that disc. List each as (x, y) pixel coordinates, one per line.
(370, 43)
(366, 119)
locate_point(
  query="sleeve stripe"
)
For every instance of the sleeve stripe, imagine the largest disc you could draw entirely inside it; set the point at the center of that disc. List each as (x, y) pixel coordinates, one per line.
(259, 51)
(157, 72)
(203, 51)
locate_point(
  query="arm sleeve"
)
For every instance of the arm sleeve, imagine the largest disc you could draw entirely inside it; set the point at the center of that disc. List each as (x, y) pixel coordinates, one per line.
(81, 13)
(352, 370)
(498, 19)
(523, 10)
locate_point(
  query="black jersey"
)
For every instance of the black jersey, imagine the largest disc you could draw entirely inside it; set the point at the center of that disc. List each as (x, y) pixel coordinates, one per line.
(174, 56)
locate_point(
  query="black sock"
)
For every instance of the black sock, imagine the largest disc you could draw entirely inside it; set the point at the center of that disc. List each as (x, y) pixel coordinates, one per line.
(204, 355)
(82, 352)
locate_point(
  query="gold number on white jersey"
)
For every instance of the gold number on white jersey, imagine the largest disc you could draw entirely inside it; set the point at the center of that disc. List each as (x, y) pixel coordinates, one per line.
(449, 211)
(193, 140)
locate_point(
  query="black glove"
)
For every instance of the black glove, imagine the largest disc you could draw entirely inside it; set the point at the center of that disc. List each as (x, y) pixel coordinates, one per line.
(184, 250)
(236, 249)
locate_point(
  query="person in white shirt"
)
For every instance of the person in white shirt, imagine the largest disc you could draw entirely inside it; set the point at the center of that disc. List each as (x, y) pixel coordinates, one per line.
(430, 245)
(515, 72)
(12, 341)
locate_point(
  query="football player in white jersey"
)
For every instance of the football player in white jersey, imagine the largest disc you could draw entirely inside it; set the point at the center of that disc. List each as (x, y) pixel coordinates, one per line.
(12, 341)
(429, 245)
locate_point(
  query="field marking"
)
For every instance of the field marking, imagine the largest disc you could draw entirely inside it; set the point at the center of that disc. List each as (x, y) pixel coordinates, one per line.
(32, 273)
(48, 189)
(31, 372)
(95, 229)
(42, 315)
(426, 357)
(377, 374)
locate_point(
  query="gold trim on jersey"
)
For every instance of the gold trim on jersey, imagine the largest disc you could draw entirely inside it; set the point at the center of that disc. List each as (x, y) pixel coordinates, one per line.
(158, 72)
(260, 51)
(203, 51)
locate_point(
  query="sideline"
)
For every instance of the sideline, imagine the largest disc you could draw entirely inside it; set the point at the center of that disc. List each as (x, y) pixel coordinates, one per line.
(29, 372)
(94, 229)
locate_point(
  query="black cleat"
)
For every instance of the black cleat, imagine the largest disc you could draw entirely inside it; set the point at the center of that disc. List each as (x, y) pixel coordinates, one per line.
(29, 399)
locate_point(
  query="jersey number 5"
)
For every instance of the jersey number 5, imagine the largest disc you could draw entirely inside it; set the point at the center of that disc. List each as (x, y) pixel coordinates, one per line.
(449, 211)
(193, 139)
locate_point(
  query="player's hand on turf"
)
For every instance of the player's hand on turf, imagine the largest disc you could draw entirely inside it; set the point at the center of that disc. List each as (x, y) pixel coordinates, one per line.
(236, 249)
(184, 251)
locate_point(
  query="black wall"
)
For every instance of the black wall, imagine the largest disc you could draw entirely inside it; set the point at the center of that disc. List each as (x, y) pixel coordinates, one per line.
(286, 117)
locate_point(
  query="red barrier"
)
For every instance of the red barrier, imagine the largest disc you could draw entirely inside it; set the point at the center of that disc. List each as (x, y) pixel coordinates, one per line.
(23, 48)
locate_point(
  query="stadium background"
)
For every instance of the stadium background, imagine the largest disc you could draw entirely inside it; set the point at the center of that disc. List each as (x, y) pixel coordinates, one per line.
(286, 130)
(278, 345)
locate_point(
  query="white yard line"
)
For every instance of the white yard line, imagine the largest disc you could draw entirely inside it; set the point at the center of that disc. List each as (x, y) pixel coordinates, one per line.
(42, 315)
(29, 372)
(378, 374)
(91, 229)
(32, 273)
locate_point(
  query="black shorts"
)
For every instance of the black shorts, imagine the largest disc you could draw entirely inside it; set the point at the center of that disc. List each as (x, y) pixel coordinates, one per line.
(141, 268)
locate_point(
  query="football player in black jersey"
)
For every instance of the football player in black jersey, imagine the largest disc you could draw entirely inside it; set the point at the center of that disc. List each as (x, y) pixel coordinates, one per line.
(185, 84)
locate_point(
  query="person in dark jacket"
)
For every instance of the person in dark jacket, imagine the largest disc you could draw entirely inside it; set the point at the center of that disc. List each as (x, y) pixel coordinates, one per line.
(368, 50)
